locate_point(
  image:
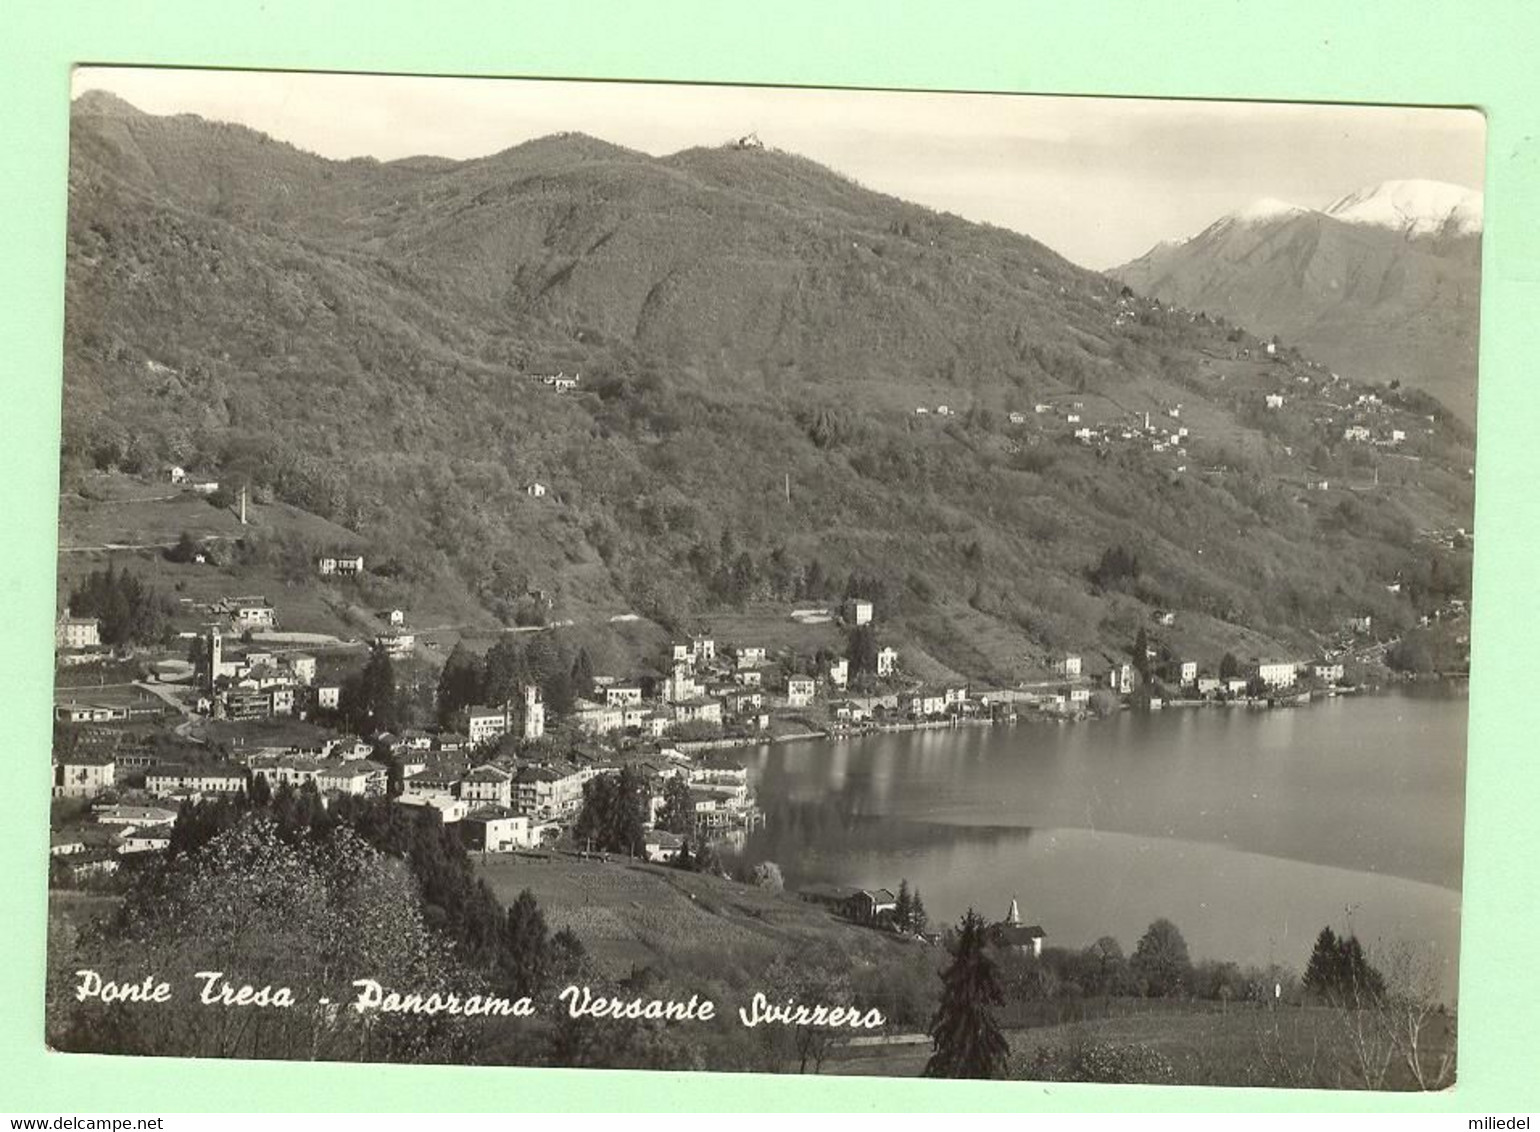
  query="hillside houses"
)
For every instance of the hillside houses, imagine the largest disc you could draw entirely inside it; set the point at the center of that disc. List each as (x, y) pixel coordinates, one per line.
(329, 776)
(800, 691)
(498, 829)
(873, 906)
(926, 704)
(849, 712)
(75, 712)
(146, 816)
(560, 382)
(84, 774)
(450, 810)
(482, 722)
(358, 778)
(247, 614)
(195, 781)
(1277, 674)
(700, 710)
(250, 683)
(93, 845)
(396, 643)
(490, 785)
(443, 779)
(554, 790)
(625, 694)
(598, 718)
(340, 565)
(1120, 679)
(77, 632)
(702, 668)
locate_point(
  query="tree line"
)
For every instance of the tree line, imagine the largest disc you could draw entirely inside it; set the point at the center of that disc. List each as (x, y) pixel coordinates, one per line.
(561, 672)
(130, 611)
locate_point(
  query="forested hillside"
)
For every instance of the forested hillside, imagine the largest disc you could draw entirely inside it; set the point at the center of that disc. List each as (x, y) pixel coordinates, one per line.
(753, 335)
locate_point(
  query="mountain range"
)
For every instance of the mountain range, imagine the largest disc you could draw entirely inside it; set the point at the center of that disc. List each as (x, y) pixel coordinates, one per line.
(1383, 284)
(754, 336)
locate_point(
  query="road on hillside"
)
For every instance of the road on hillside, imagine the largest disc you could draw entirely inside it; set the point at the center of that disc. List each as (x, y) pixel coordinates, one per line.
(141, 545)
(163, 694)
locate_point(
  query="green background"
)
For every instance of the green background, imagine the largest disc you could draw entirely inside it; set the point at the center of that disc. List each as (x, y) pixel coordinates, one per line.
(1452, 53)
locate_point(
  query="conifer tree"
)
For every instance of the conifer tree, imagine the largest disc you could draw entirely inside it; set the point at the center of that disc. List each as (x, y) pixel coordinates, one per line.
(626, 832)
(369, 699)
(261, 793)
(523, 956)
(966, 1039)
(1321, 972)
(592, 820)
(582, 675)
(1340, 972)
(903, 908)
(918, 920)
(678, 812)
(861, 650)
(459, 684)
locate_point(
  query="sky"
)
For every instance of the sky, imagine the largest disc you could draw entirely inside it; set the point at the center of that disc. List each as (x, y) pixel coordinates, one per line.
(1100, 180)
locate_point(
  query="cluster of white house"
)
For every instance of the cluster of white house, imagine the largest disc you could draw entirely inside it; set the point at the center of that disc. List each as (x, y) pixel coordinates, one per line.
(94, 847)
(1362, 434)
(239, 682)
(560, 382)
(1366, 429)
(339, 565)
(712, 685)
(704, 684)
(183, 479)
(502, 805)
(1122, 678)
(258, 683)
(1136, 428)
(253, 613)
(499, 805)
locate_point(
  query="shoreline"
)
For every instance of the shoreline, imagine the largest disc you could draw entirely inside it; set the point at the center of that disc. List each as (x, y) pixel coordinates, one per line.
(1035, 716)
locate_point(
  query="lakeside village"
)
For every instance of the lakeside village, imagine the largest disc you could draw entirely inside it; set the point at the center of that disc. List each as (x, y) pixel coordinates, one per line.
(511, 776)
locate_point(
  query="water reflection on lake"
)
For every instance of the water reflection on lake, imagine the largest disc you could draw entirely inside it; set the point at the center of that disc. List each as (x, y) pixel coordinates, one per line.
(1250, 829)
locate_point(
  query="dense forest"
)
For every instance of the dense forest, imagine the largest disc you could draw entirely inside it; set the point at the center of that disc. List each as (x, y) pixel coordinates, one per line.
(753, 334)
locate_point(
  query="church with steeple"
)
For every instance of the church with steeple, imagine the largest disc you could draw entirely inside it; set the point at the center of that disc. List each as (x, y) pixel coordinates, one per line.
(1011, 934)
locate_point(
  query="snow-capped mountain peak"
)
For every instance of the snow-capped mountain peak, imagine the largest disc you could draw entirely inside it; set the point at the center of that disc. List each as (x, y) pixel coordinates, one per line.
(1413, 207)
(1265, 209)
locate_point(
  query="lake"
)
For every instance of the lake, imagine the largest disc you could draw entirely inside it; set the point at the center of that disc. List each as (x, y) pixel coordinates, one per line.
(1251, 829)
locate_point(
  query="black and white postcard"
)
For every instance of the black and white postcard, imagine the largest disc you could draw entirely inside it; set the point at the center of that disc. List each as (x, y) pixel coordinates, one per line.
(763, 579)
